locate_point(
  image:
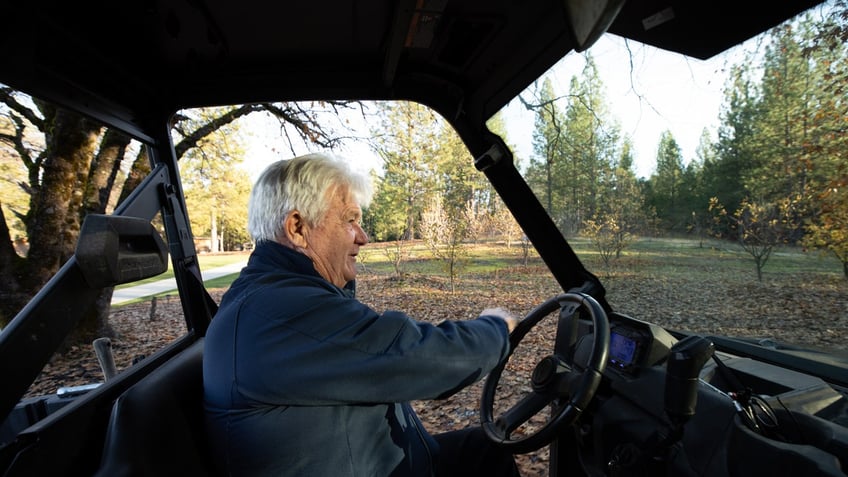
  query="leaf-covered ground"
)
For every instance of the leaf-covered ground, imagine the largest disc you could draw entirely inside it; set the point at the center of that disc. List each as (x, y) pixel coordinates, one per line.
(805, 309)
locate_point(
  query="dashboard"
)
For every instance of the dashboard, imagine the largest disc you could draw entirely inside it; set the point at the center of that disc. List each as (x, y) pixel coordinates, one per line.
(744, 411)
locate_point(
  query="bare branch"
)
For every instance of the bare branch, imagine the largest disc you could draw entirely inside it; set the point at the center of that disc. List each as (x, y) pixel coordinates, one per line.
(7, 97)
(191, 139)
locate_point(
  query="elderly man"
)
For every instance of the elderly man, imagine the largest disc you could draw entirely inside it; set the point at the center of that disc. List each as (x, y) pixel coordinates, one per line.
(302, 379)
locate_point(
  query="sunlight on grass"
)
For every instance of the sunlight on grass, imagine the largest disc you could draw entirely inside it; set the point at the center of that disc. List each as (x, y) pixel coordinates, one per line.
(674, 257)
(668, 258)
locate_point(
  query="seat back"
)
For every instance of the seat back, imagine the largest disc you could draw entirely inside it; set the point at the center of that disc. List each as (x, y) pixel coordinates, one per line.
(157, 425)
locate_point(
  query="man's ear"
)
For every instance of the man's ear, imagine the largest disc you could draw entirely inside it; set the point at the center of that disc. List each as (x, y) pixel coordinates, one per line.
(295, 229)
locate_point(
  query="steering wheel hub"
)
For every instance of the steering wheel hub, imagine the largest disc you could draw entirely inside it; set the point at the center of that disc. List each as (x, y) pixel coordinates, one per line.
(544, 373)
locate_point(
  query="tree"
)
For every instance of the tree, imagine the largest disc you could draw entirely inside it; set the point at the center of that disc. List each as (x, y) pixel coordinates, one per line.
(13, 197)
(406, 142)
(547, 147)
(759, 227)
(608, 237)
(504, 226)
(444, 236)
(398, 252)
(216, 187)
(621, 199)
(783, 136)
(589, 147)
(620, 212)
(784, 133)
(695, 182)
(790, 136)
(830, 231)
(573, 148)
(73, 166)
(827, 225)
(61, 153)
(465, 193)
(734, 153)
(667, 184)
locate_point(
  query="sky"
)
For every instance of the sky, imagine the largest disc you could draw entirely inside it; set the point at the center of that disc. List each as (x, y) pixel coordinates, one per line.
(648, 91)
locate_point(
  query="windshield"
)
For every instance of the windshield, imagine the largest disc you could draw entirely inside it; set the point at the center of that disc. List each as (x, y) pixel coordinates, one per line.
(708, 196)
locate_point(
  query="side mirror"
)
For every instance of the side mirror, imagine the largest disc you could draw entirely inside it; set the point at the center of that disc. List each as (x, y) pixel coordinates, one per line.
(590, 19)
(114, 249)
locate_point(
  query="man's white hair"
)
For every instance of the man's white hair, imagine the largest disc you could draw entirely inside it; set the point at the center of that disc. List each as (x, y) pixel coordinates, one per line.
(303, 184)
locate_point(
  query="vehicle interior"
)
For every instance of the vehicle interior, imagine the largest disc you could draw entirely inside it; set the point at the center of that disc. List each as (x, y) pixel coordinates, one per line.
(622, 396)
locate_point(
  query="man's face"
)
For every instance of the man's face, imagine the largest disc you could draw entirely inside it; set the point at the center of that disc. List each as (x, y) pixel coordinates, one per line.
(333, 243)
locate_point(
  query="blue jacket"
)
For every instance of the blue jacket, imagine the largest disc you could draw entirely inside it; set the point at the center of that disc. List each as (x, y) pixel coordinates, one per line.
(302, 379)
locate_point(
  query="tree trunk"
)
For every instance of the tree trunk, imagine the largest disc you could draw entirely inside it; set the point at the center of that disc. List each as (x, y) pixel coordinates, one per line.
(213, 239)
(139, 170)
(104, 170)
(94, 323)
(53, 221)
(10, 290)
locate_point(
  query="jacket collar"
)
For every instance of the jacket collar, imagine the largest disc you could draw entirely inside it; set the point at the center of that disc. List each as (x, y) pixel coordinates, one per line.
(270, 256)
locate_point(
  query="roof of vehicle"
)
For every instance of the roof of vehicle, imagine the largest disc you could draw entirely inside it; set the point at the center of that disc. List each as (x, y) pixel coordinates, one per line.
(137, 60)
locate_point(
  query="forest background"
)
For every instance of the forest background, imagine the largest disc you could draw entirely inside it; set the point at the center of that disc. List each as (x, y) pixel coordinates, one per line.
(775, 174)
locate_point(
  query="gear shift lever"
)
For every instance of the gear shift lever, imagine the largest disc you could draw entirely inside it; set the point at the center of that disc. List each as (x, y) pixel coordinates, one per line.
(681, 383)
(683, 368)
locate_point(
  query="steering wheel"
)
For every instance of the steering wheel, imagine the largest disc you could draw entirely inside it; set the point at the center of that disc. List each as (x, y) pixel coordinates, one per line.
(557, 379)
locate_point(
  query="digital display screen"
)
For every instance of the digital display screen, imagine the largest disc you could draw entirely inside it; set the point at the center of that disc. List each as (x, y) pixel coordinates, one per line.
(622, 349)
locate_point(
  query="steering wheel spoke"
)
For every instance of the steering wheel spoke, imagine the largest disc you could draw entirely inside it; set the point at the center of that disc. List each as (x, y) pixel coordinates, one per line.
(556, 379)
(569, 384)
(520, 413)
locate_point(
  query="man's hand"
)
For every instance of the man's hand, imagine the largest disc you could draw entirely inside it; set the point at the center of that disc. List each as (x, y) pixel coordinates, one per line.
(509, 319)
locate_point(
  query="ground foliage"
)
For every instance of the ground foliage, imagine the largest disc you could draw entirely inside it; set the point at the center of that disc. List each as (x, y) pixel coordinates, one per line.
(807, 309)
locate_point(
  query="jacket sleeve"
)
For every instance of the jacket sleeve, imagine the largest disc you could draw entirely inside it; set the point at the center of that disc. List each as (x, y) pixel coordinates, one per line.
(325, 349)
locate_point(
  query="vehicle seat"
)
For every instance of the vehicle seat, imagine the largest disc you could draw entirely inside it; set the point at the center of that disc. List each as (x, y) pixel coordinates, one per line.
(157, 425)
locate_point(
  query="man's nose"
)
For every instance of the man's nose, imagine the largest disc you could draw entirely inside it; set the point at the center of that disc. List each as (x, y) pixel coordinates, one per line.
(361, 236)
